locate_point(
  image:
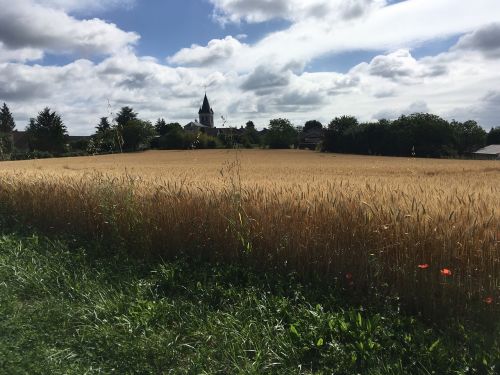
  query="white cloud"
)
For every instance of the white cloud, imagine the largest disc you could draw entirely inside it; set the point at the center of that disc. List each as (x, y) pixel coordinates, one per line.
(215, 51)
(294, 10)
(261, 80)
(30, 27)
(401, 66)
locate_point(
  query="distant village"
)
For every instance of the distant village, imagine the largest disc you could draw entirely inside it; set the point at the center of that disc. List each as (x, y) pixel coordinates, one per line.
(415, 135)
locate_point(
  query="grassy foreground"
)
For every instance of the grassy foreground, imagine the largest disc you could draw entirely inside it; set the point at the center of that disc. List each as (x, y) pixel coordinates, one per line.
(65, 309)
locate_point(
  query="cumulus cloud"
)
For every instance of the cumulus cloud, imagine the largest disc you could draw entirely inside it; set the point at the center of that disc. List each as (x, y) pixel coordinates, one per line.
(265, 79)
(264, 10)
(29, 25)
(401, 66)
(215, 51)
(19, 55)
(485, 40)
(255, 80)
(486, 110)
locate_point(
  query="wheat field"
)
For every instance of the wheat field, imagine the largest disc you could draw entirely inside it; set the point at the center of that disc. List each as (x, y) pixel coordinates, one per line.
(425, 230)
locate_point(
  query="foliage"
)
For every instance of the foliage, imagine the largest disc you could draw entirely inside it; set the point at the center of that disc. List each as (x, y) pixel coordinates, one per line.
(103, 126)
(494, 136)
(47, 132)
(136, 134)
(250, 135)
(418, 134)
(125, 115)
(470, 137)
(6, 146)
(312, 124)
(7, 123)
(116, 315)
(281, 134)
(106, 138)
(336, 135)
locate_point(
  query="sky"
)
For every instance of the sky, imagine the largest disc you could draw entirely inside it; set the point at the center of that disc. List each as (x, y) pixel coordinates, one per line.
(257, 60)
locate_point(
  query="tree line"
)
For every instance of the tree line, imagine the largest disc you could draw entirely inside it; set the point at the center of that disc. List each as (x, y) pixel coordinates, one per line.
(418, 134)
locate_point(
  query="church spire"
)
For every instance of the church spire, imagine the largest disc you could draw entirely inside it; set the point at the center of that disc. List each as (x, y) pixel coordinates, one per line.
(205, 108)
(206, 113)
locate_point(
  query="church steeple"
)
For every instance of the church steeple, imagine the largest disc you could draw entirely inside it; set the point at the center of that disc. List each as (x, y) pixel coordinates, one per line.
(206, 113)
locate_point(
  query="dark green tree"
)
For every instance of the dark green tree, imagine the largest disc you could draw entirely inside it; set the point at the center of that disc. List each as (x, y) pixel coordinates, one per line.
(103, 125)
(105, 139)
(136, 135)
(125, 115)
(469, 136)
(337, 139)
(312, 124)
(161, 126)
(250, 135)
(47, 132)
(281, 134)
(494, 136)
(7, 123)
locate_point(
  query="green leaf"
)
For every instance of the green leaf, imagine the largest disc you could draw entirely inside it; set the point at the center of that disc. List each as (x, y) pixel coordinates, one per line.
(293, 329)
(320, 342)
(434, 345)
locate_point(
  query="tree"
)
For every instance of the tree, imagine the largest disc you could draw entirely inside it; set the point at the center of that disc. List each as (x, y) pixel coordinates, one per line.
(281, 134)
(47, 132)
(250, 135)
(424, 134)
(161, 126)
(7, 123)
(105, 139)
(312, 124)
(336, 137)
(470, 137)
(494, 136)
(125, 115)
(136, 134)
(103, 125)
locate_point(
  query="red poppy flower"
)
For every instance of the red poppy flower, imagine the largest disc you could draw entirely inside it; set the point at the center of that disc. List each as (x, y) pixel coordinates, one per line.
(488, 300)
(446, 272)
(423, 266)
(348, 276)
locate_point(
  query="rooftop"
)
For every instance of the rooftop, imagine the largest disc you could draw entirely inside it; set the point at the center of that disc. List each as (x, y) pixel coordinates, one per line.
(489, 150)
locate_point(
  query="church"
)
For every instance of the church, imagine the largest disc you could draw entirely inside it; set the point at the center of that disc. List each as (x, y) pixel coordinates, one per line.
(205, 120)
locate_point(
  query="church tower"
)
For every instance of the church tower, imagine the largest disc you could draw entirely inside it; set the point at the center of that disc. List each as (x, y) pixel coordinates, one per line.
(206, 113)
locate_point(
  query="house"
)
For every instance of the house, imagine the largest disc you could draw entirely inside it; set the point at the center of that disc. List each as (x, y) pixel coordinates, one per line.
(311, 138)
(491, 152)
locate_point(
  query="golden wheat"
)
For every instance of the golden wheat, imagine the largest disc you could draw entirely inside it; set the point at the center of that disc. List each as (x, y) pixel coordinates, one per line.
(323, 215)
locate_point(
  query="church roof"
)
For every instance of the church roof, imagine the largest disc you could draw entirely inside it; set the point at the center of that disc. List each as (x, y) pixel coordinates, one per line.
(206, 109)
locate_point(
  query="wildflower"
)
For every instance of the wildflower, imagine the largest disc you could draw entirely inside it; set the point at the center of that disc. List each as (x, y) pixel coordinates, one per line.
(348, 276)
(423, 266)
(446, 272)
(488, 300)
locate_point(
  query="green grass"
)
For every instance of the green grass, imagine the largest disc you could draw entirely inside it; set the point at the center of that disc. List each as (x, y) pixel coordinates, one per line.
(66, 310)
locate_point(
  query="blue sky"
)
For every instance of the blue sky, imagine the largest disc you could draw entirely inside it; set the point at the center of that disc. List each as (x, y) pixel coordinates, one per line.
(300, 59)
